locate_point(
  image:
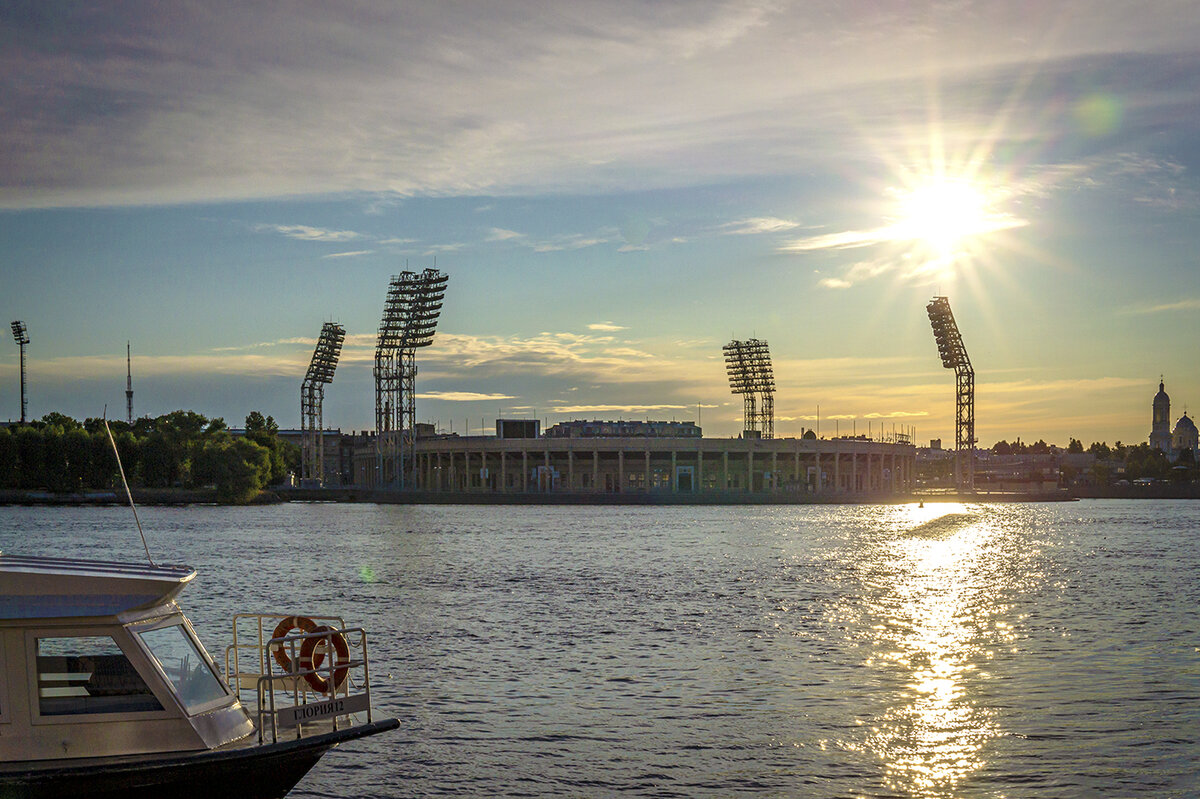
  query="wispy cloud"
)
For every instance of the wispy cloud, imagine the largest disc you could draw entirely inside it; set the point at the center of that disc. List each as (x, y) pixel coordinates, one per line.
(307, 233)
(500, 234)
(605, 326)
(760, 224)
(462, 396)
(616, 408)
(1168, 307)
(349, 254)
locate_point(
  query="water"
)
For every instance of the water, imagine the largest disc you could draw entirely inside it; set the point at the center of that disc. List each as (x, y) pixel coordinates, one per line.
(832, 651)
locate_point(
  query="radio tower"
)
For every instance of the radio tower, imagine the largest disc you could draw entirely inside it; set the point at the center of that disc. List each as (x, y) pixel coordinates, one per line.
(128, 384)
(312, 397)
(954, 356)
(410, 315)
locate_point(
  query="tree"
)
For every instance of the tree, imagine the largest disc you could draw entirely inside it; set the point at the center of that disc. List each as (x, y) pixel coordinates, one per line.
(283, 456)
(1100, 450)
(62, 421)
(1075, 447)
(1002, 448)
(240, 468)
(8, 459)
(77, 449)
(102, 465)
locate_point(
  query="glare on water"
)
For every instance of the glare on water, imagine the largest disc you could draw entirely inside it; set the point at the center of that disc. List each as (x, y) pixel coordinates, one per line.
(999, 651)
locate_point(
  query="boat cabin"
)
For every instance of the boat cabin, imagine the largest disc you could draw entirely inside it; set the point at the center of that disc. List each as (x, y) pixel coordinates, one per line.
(97, 659)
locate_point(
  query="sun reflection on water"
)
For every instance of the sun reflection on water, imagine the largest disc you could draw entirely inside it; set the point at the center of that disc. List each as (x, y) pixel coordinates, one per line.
(934, 619)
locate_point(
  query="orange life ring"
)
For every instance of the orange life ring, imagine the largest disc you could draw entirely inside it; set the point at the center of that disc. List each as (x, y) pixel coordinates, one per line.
(302, 623)
(311, 659)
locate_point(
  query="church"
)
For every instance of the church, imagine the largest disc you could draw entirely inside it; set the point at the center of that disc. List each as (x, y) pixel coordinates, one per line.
(1162, 437)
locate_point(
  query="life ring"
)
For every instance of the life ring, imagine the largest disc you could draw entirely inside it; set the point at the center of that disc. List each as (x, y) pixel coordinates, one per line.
(302, 623)
(312, 659)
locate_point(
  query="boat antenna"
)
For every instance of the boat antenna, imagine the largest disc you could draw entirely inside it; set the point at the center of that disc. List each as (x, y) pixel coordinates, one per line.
(125, 483)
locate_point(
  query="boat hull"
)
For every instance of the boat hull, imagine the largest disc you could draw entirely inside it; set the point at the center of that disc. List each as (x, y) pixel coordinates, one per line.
(266, 771)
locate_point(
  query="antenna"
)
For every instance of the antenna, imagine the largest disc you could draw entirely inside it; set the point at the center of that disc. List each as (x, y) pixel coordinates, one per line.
(125, 483)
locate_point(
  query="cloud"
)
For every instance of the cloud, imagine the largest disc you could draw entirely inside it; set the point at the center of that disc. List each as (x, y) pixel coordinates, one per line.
(616, 408)
(462, 396)
(500, 234)
(349, 254)
(397, 240)
(755, 225)
(1169, 307)
(229, 101)
(306, 233)
(606, 326)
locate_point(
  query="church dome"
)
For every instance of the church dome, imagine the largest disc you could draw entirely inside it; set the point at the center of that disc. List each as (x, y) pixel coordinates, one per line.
(1161, 396)
(1185, 425)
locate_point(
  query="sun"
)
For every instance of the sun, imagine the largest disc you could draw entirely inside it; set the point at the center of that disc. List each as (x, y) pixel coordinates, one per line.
(942, 213)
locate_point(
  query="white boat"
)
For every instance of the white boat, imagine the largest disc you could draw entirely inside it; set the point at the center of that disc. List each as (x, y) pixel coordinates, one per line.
(106, 691)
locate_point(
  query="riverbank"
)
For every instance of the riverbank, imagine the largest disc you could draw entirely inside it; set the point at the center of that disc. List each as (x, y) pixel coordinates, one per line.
(179, 496)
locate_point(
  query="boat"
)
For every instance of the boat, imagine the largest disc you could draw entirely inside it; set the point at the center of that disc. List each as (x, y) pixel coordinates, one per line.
(106, 691)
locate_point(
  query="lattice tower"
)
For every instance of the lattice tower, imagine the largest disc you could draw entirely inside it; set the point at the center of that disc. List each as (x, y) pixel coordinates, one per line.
(312, 398)
(748, 364)
(954, 356)
(21, 336)
(410, 314)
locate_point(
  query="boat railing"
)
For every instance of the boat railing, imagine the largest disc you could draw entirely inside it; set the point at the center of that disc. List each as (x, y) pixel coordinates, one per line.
(326, 680)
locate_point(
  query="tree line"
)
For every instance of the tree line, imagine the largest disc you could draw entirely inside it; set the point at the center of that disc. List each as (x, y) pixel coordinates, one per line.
(1134, 460)
(181, 449)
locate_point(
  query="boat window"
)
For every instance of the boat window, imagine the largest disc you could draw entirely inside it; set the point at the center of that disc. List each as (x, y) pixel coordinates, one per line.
(186, 668)
(88, 674)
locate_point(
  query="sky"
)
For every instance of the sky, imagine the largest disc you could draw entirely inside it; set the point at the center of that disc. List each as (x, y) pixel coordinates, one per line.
(615, 190)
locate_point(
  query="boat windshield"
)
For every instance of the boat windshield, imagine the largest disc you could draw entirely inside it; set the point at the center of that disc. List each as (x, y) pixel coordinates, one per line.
(186, 668)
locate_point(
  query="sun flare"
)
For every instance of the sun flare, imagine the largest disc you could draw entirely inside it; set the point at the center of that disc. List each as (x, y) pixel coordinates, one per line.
(944, 212)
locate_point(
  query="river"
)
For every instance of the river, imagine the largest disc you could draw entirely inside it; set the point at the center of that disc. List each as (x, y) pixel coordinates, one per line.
(991, 650)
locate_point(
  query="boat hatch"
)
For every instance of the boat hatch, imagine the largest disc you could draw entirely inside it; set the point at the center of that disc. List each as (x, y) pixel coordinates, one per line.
(299, 683)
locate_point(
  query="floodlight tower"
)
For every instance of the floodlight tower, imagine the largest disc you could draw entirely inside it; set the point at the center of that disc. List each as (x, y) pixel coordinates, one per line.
(128, 384)
(21, 335)
(410, 315)
(954, 356)
(741, 381)
(759, 355)
(749, 366)
(312, 396)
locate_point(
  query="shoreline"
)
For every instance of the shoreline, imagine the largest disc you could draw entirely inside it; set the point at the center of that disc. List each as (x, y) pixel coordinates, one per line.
(181, 497)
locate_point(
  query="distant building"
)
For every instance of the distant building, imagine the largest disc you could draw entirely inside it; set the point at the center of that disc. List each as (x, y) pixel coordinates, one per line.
(1184, 437)
(1170, 442)
(1160, 430)
(518, 428)
(631, 429)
